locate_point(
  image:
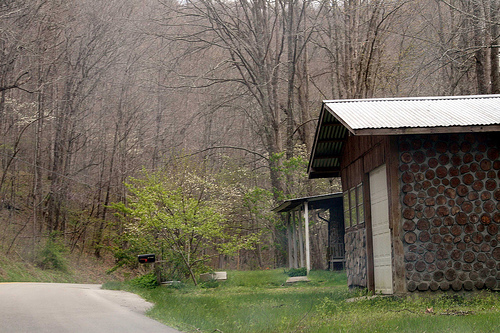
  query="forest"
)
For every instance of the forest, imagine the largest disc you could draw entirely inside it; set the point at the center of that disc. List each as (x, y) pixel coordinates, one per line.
(217, 99)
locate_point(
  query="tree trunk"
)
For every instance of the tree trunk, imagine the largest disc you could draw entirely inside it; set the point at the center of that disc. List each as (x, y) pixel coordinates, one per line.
(480, 56)
(494, 47)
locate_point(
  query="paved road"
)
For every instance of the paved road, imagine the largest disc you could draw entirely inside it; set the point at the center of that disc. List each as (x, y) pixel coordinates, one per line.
(79, 308)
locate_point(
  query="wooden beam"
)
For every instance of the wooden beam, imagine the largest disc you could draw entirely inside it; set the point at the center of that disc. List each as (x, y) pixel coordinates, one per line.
(426, 130)
(325, 157)
(370, 271)
(324, 172)
(313, 175)
(398, 269)
(331, 125)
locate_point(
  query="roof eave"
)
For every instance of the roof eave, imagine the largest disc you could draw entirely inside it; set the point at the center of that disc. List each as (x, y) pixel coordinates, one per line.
(425, 130)
(318, 174)
(297, 202)
(315, 141)
(340, 119)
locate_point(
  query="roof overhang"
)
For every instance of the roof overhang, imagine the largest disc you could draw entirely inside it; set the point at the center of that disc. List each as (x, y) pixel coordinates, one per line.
(329, 139)
(315, 202)
(396, 116)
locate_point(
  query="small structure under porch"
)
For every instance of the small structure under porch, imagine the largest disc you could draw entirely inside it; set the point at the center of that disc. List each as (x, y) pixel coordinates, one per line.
(328, 208)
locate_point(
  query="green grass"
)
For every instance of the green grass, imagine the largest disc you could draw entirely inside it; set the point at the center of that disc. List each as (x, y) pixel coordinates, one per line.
(26, 272)
(79, 271)
(261, 301)
(419, 313)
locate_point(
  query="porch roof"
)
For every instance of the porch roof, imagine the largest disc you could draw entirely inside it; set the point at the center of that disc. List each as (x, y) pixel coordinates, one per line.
(315, 202)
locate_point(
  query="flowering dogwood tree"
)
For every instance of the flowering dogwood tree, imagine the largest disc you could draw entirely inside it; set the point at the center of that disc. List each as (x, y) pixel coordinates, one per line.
(181, 217)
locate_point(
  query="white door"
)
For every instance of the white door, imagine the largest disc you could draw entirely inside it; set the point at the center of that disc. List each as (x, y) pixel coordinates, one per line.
(382, 259)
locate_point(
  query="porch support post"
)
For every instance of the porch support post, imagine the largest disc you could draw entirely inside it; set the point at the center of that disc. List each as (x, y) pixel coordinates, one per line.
(294, 232)
(301, 241)
(308, 252)
(289, 239)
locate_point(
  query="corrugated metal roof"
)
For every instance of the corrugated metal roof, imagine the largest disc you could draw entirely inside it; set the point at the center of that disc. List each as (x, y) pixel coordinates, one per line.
(361, 116)
(391, 116)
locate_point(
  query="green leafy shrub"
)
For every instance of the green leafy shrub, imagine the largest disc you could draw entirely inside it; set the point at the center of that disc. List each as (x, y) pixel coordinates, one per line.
(168, 213)
(147, 281)
(177, 285)
(296, 272)
(52, 255)
(212, 283)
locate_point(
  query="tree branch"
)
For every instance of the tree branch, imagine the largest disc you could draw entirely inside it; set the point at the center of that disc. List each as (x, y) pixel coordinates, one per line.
(226, 147)
(17, 84)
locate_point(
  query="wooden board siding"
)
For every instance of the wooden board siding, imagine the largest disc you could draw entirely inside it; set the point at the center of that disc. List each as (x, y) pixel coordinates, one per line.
(360, 156)
(395, 216)
(369, 235)
(352, 175)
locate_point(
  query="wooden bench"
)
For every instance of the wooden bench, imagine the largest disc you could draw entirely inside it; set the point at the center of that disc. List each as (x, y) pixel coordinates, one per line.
(337, 254)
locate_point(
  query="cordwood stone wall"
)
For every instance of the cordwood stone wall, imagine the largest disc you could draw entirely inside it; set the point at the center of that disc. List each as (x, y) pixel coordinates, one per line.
(355, 252)
(450, 197)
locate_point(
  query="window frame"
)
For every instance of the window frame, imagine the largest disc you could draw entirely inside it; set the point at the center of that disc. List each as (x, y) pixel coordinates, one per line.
(354, 209)
(353, 206)
(347, 210)
(360, 203)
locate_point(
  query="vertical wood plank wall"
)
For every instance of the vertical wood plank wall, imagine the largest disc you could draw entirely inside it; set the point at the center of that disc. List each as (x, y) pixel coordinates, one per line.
(361, 155)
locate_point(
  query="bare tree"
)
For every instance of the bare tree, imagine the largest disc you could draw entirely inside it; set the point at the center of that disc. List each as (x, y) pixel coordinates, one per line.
(494, 46)
(355, 38)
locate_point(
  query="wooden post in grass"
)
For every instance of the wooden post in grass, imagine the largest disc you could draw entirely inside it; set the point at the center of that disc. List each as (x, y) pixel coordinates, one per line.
(301, 242)
(308, 252)
(294, 233)
(157, 270)
(289, 236)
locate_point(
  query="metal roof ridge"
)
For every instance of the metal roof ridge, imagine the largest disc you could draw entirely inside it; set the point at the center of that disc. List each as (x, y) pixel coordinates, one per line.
(427, 98)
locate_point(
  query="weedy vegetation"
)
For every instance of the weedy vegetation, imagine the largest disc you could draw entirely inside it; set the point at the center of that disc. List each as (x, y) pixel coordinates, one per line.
(262, 301)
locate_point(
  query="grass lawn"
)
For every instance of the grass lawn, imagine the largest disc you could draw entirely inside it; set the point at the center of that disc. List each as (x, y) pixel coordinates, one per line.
(261, 301)
(83, 270)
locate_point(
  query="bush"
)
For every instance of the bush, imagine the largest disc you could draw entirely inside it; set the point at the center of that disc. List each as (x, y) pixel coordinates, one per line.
(52, 255)
(147, 281)
(212, 283)
(176, 285)
(296, 272)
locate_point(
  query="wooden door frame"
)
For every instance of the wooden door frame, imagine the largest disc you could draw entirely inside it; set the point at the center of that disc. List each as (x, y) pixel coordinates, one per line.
(370, 269)
(395, 216)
